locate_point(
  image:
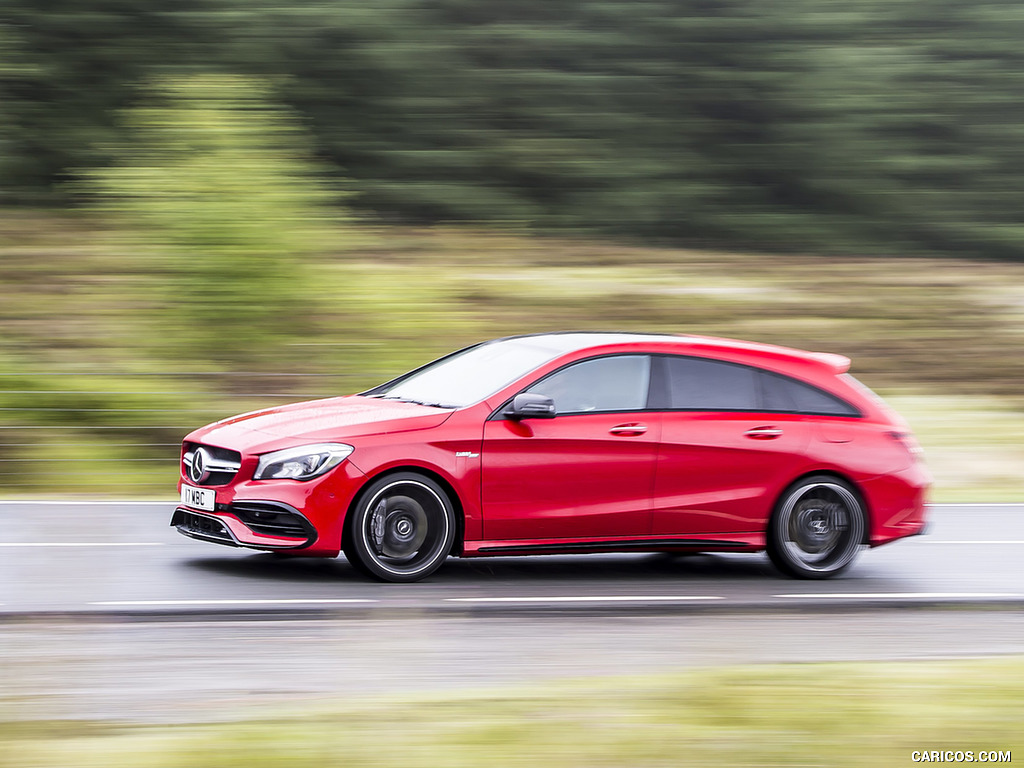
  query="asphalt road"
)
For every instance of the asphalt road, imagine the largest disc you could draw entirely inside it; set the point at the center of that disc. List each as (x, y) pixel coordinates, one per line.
(107, 613)
(123, 559)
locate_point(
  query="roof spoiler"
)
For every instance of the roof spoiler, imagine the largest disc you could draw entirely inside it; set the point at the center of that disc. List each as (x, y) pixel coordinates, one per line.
(838, 363)
(835, 363)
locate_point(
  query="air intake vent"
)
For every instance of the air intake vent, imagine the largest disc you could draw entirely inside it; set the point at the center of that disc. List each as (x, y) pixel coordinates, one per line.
(272, 520)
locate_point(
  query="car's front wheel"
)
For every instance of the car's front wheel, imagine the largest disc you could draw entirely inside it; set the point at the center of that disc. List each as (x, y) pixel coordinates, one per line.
(817, 529)
(401, 529)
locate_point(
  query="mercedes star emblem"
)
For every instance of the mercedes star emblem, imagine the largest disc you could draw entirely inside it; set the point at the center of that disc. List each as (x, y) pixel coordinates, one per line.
(198, 471)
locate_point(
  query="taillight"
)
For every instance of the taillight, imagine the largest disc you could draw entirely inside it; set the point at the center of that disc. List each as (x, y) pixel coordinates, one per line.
(908, 441)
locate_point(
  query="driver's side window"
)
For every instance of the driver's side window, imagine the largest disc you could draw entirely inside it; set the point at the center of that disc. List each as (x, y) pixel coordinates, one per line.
(617, 383)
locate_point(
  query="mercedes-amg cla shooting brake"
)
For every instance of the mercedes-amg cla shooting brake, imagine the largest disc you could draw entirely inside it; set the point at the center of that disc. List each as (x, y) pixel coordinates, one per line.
(568, 442)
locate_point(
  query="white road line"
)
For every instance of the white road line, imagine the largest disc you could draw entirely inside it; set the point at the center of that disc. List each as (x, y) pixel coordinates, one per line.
(897, 595)
(84, 502)
(81, 544)
(289, 601)
(977, 504)
(1006, 541)
(109, 502)
(582, 599)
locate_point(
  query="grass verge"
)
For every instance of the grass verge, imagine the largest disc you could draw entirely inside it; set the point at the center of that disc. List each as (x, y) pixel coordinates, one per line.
(94, 371)
(850, 714)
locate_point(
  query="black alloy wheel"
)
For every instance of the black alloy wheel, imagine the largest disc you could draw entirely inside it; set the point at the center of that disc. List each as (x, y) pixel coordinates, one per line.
(401, 529)
(817, 529)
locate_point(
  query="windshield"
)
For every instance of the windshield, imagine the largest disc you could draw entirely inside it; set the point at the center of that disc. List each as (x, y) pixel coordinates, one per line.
(472, 375)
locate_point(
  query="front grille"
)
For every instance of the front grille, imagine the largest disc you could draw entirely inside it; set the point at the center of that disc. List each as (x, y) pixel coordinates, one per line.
(270, 519)
(217, 466)
(205, 527)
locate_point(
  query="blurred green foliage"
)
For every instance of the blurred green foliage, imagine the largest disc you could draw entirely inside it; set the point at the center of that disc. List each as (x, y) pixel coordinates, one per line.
(91, 367)
(67, 68)
(796, 124)
(226, 209)
(214, 137)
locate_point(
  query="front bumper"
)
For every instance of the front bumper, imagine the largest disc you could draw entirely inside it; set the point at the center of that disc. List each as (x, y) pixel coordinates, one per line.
(313, 511)
(267, 525)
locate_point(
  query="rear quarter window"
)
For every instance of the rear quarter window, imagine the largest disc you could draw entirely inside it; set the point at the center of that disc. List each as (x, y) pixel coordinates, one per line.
(781, 393)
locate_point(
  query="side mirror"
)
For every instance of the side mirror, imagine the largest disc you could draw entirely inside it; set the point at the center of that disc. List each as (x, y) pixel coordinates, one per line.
(530, 406)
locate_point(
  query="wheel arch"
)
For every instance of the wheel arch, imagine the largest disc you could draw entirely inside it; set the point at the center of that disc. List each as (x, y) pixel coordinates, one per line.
(441, 480)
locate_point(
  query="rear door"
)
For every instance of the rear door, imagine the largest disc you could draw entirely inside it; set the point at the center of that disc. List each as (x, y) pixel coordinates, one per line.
(586, 473)
(723, 458)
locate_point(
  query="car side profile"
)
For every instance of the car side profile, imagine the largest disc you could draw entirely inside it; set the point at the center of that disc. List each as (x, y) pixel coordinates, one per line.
(568, 442)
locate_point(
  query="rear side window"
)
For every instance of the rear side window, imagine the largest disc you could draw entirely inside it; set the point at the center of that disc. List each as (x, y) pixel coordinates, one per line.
(782, 393)
(710, 385)
(699, 384)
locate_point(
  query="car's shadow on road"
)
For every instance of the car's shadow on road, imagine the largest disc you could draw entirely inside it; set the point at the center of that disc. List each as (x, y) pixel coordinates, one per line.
(267, 567)
(602, 568)
(479, 571)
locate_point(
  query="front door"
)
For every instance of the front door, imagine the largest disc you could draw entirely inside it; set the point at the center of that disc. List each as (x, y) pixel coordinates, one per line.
(588, 472)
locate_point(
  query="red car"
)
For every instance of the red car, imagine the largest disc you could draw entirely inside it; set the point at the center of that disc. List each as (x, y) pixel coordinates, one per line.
(568, 442)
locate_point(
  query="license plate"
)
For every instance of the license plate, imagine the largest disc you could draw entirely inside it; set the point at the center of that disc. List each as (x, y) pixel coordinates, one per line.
(199, 498)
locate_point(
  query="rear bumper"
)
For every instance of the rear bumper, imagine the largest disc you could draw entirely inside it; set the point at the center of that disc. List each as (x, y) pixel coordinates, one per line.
(897, 504)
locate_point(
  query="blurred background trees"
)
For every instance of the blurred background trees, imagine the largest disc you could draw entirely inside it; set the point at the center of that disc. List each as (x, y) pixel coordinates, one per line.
(211, 206)
(216, 194)
(874, 127)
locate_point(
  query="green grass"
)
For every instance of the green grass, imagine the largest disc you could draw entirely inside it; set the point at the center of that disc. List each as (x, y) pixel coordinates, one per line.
(851, 714)
(945, 338)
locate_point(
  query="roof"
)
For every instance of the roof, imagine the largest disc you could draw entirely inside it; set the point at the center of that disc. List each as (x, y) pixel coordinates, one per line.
(563, 342)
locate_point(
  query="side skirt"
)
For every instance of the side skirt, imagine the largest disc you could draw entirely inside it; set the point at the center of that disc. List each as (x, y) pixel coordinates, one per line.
(485, 548)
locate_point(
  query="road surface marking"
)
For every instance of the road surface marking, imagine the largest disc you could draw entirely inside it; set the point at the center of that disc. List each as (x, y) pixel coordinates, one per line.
(289, 601)
(897, 595)
(581, 599)
(977, 504)
(1003, 541)
(172, 501)
(81, 544)
(84, 502)
(101, 502)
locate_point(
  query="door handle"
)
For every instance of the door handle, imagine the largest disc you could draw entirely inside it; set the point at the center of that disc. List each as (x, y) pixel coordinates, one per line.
(763, 433)
(628, 429)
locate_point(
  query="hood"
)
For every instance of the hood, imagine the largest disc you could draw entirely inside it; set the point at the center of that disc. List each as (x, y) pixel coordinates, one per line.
(336, 419)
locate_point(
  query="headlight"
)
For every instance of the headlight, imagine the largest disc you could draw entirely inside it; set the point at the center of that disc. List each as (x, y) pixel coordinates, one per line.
(301, 463)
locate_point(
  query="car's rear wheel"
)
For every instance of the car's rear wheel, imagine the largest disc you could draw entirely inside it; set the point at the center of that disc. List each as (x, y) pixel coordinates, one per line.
(817, 529)
(401, 529)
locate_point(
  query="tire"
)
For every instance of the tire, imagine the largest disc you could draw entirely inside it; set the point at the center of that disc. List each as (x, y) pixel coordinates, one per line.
(402, 528)
(817, 528)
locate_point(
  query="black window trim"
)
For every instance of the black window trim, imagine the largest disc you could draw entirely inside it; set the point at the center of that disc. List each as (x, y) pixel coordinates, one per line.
(499, 413)
(663, 389)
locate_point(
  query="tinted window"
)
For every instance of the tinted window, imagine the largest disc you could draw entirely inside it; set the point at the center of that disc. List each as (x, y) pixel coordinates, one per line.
(778, 393)
(710, 385)
(600, 384)
(784, 394)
